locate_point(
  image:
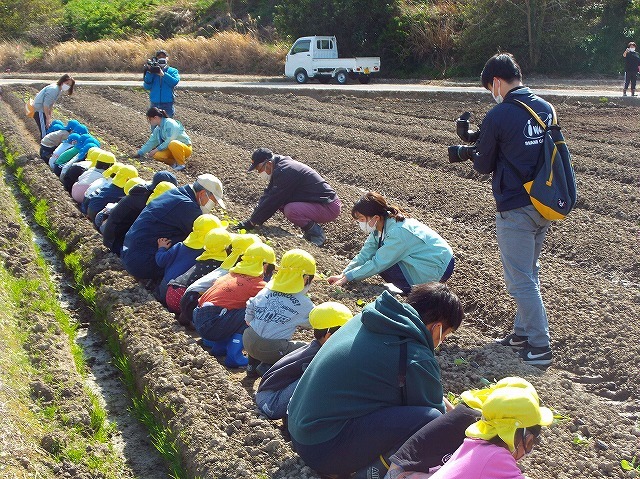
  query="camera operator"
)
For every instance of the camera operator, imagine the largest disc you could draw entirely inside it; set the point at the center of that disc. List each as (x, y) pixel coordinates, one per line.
(161, 79)
(509, 132)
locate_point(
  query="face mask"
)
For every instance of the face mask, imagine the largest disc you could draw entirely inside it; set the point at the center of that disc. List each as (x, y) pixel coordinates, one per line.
(65, 87)
(264, 175)
(366, 227)
(208, 206)
(305, 290)
(436, 346)
(632, 49)
(498, 98)
(162, 62)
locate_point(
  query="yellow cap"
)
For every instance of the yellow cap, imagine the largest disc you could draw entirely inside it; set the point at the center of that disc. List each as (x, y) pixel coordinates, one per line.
(329, 315)
(289, 278)
(160, 188)
(93, 153)
(136, 180)
(105, 157)
(253, 259)
(509, 405)
(239, 244)
(216, 243)
(112, 170)
(201, 226)
(124, 174)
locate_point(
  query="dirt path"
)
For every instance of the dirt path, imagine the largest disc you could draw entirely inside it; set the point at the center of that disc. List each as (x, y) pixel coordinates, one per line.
(590, 272)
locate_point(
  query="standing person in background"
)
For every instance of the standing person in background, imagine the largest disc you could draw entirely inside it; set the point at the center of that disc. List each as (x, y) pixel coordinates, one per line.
(160, 81)
(303, 196)
(631, 64)
(168, 142)
(44, 100)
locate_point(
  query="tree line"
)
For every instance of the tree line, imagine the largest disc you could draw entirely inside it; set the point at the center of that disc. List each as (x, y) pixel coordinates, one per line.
(414, 37)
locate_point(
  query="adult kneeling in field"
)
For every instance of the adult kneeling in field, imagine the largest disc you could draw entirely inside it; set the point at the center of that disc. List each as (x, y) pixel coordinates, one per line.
(171, 216)
(296, 189)
(375, 382)
(168, 142)
(403, 251)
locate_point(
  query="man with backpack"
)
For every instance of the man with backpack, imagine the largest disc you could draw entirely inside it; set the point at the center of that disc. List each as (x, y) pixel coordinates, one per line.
(510, 146)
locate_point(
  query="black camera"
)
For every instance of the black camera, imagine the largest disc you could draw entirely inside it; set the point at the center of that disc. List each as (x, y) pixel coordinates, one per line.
(152, 65)
(459, 153)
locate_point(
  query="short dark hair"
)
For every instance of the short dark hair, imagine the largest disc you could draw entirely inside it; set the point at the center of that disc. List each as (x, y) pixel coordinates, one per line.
(321, 333)
(372, 204)
(435, 302)
(501, 65)
(632, 43)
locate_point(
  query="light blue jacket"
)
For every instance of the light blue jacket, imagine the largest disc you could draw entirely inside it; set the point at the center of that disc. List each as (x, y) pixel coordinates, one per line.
(422, 254)
(47, 97)
(167, 131)
(161, 87)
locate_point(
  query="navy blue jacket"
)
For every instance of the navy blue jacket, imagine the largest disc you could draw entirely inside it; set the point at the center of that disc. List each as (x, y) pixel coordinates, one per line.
(171, 215)
(509, 131)
(291, 182)
(100, 198)
(122, 217)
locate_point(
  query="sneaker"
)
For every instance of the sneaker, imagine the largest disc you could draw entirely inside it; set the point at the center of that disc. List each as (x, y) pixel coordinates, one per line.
(537, 356)
(177, 167)
(313, 233)
(513, 341)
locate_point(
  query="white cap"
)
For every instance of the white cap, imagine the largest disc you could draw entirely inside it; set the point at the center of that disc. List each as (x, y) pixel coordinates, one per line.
(213, 185)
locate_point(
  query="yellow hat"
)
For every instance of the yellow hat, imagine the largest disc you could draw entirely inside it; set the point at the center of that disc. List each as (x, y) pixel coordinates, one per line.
(329, 315)
(136, 180)
(201, 226)
(160, 188)
(216, 243)
(93, 153)
(509, 405)
(111, 171)
(124, 174)
(239, 244)
(105, 157)
(253, 259)
(290, 275)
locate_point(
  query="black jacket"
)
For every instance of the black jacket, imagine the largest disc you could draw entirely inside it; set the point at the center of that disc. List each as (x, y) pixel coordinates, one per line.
(123, 215)
(631, 62)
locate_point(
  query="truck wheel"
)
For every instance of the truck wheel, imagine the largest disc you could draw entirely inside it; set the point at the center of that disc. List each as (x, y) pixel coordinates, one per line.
(364, 79)
(301, 76)
(342, 77)
(324, 79)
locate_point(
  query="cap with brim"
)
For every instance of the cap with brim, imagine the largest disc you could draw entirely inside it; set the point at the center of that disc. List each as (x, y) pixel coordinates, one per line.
(289, 278)
(216, 243)
(160, 188)
(201, 226)
(213, 185)
(506, 409)
(162, 52)
(329, 315)
(128, 186)
(72, 137)
(239, 245)
(260, 156)
(163, 175)
(112, 170)
(124, 174)
(253, 260)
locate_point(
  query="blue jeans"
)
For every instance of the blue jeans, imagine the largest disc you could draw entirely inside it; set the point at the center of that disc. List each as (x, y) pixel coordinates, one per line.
(521, 232)
(273, 404)
(218, 324)
(364, 438)
(168, 107)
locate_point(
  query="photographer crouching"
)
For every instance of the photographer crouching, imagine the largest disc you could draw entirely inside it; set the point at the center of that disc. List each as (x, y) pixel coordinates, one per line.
(509, 145)
(160, 80)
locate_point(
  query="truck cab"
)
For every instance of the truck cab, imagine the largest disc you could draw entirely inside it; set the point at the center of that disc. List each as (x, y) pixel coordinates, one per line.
(317, 57)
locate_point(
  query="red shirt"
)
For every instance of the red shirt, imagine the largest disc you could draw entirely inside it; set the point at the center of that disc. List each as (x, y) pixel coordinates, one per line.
(232, 291)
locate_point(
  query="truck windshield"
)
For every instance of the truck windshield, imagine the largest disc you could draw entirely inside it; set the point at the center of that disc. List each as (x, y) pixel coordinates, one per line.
(301, 46)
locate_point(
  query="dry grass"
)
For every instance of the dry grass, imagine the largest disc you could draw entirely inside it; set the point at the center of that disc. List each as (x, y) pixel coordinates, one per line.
(225, 52)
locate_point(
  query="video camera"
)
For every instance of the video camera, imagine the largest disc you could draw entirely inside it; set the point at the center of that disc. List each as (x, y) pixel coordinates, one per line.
(155, 65)
(458, 153)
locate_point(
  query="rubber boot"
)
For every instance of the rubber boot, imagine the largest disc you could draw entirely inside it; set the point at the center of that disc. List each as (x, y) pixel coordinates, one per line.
(252, 371)
(235, 358)
(216, 348)
(377, 469)
(313, 234)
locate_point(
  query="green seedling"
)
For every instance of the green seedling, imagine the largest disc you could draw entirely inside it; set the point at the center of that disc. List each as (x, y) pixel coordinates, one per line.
(453, 398)
(485, 382)
(360, 302)
(460, 361)
(603, 99)
(580, 440)
(634, 465)
(559, 417)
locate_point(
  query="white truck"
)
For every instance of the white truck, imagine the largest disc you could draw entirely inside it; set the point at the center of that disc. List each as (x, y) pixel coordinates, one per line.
(317, 57)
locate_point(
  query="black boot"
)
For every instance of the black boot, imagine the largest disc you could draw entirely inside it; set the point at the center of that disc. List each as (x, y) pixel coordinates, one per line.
(252, 371)
(376, 470)
(313, 234)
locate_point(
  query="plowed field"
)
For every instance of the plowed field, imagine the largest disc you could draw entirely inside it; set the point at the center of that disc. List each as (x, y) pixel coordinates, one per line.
(590, 274)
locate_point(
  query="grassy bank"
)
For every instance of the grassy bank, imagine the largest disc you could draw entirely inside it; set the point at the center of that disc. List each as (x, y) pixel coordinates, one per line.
(226, 52)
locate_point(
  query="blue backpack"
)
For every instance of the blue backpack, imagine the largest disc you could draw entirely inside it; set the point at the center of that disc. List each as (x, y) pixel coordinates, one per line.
(553, 187)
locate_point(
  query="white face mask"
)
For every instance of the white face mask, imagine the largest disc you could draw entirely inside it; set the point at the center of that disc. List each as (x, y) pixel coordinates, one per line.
(65, 87)
(436, 346)
(632, 49)
(498, 98)
(366, 227)
(208, 206)
(264, 175)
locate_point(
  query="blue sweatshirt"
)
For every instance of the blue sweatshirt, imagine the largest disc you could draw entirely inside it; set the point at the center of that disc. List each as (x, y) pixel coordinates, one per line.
(161, 87)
